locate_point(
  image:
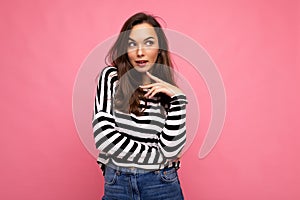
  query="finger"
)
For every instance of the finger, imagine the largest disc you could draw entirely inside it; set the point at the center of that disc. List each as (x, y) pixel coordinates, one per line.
(156, 91)
(153, 90)
(154, 77)
(149, 85)
(150, 91)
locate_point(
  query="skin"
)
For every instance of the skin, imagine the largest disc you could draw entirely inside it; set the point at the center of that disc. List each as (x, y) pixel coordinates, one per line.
(143, 45)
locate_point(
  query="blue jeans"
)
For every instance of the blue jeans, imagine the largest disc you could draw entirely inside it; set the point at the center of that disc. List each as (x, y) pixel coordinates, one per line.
(132, 185)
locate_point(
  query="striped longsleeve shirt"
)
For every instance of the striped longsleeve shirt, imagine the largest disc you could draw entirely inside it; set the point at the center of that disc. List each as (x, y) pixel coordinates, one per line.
(150, 141)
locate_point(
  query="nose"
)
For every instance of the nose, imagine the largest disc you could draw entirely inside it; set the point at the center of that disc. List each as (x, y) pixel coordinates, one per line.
(140, 51)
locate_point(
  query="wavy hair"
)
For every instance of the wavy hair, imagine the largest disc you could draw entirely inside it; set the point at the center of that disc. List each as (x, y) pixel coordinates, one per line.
(128, 93)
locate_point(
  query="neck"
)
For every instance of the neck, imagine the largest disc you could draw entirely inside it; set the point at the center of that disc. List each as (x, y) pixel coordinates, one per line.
(146, 79)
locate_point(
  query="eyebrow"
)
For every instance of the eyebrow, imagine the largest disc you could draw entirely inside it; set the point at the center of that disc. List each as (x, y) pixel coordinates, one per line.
(144, 39)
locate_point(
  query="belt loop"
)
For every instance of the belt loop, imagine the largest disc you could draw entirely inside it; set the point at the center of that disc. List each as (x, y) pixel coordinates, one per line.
(118, 170)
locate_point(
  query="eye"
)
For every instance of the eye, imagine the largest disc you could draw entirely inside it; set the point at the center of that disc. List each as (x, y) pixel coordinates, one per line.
(131, 44)
(149, 43)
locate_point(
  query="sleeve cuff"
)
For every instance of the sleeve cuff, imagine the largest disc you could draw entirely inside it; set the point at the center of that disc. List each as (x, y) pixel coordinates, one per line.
(179, 99)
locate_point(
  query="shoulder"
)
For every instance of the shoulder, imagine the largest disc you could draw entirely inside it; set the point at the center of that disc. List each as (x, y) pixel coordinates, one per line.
(108, 73)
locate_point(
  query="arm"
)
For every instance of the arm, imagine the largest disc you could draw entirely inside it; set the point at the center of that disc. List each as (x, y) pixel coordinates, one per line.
(173, 136)
(107, 138)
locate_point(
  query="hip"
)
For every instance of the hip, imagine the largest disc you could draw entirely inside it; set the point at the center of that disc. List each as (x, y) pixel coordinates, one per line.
(126, 183)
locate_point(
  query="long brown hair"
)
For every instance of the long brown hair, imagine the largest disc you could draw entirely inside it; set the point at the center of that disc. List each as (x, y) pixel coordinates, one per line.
(128, 93)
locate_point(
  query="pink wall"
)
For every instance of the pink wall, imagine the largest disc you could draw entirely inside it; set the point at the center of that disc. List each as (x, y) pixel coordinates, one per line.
(254, 45)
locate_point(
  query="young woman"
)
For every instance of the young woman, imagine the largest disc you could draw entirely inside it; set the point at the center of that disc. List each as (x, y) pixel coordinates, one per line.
(139, 116)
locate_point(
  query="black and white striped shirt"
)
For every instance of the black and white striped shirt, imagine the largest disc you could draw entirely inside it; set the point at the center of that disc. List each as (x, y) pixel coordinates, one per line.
(150, 141)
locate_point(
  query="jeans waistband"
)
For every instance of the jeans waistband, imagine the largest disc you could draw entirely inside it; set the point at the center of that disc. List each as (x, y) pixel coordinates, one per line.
(135, 170)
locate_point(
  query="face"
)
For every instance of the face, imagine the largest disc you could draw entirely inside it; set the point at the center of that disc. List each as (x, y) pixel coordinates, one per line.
(142, 49)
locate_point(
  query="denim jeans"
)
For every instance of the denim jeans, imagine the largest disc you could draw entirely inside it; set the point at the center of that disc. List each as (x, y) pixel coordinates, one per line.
(132, 185)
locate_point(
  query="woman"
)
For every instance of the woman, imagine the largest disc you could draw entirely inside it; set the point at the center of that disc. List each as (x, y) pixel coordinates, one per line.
(139, 116)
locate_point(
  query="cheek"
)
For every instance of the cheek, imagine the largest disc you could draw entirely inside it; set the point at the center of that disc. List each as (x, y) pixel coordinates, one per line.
(152, 53)
(130, 55)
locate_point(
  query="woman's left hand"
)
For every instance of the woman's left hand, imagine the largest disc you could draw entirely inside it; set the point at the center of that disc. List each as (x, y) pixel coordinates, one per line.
(160, 86)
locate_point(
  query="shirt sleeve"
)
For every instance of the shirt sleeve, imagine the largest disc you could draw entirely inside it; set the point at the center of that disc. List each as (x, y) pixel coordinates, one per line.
(107, 138)
(173, 136)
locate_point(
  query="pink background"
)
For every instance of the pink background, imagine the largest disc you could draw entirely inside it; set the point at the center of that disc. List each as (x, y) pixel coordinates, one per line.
(255, 46)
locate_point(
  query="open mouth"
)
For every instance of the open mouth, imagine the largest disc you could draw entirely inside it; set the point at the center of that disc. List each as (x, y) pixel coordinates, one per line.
(141, 62)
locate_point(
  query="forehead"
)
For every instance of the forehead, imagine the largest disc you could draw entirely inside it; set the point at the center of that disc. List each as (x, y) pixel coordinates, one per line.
(142, 31)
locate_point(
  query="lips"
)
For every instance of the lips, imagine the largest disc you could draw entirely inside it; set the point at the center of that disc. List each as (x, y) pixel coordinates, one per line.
(141, 61)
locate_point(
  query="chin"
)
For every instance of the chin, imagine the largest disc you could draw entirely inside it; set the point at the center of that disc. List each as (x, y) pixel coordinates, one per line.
(142, 69)
(138, 69)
